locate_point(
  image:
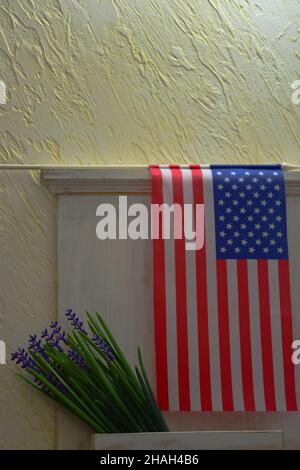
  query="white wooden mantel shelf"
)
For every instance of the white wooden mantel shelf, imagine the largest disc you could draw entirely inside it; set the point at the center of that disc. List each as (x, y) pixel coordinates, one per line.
(120, 180)
(195, 440)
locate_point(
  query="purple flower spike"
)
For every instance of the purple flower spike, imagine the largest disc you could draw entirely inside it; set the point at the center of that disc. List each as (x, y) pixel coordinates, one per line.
(57, 383)
(55, 337)
(54, 381)
(36, 347)
(75, 321)
(46, 335)
(77, 359)
(103, 346)
(62, 337)
(21, 357)
(55, 344)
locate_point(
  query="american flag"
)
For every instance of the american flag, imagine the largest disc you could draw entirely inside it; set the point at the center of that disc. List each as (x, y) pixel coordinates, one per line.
(222, 314)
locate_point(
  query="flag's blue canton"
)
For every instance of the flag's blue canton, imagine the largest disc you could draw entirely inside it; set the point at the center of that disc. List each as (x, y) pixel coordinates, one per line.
(250, 213)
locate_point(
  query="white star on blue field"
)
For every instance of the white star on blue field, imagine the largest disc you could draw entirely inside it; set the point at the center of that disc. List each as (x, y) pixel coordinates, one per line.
(250, 213)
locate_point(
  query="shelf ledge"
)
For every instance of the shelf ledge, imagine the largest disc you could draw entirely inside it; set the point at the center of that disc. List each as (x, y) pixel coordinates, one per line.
(197, 440)
(126, 180)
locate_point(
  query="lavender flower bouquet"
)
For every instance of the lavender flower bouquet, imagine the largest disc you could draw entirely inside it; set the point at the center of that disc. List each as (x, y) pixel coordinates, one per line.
(87, 373)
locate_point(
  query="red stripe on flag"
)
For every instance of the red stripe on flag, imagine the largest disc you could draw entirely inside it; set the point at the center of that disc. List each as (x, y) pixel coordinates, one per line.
(181, 302)
(266, 334)
(202, 305)
(224, 335)
(287, 334)
(159, 284)
(245, 335)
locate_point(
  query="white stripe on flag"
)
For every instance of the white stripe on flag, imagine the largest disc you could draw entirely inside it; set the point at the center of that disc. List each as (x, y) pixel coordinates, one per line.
(192, 318)
(235, 345)
(276, 335)
(258, 381)
(170, 300)
(210, 245)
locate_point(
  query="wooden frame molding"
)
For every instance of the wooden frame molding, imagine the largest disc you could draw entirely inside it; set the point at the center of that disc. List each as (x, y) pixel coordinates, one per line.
(126, 180)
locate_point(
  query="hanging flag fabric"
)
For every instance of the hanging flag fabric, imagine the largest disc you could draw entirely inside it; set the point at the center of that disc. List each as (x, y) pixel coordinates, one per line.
(222, 314)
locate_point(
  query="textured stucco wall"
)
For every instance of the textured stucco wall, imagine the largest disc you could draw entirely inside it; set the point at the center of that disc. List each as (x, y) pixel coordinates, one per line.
(119, 82)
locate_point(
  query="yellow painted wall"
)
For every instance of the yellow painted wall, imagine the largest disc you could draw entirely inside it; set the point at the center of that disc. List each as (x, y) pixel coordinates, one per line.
(119, 82)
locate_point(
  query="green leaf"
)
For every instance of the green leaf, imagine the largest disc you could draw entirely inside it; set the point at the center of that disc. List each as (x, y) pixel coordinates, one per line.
(151, 394)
